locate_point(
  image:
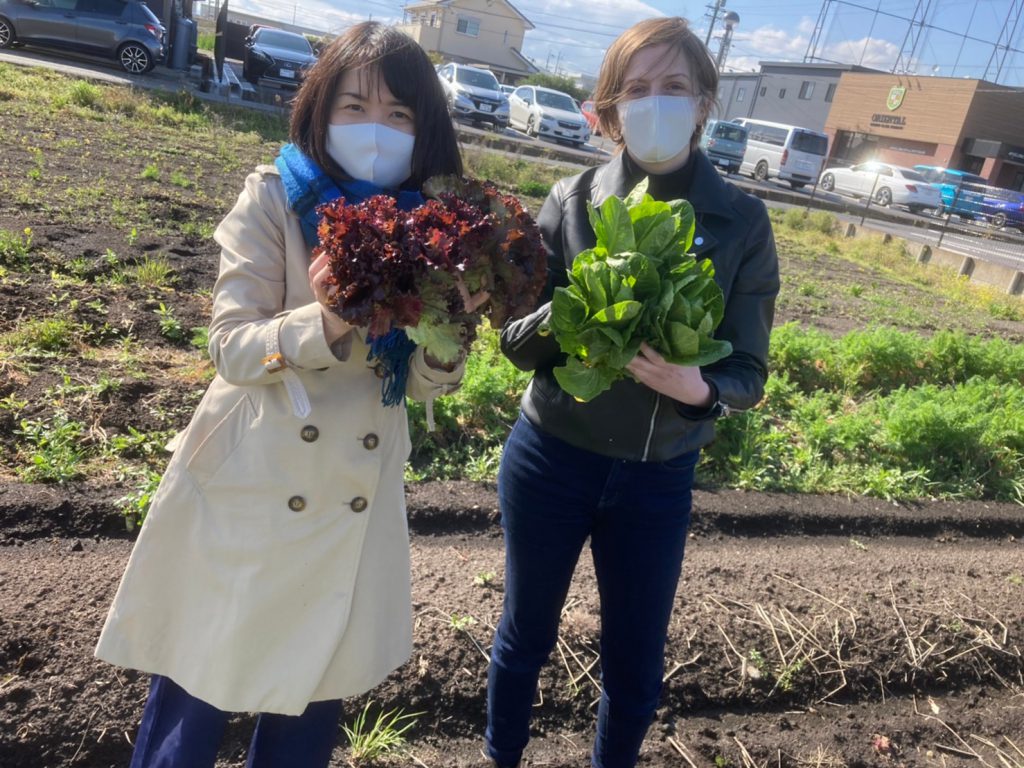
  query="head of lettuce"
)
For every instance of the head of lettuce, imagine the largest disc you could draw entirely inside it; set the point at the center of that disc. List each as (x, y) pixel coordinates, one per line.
(639, 283)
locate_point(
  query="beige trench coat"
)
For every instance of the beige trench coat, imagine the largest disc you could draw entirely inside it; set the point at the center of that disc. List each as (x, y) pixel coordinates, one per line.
(273, 566)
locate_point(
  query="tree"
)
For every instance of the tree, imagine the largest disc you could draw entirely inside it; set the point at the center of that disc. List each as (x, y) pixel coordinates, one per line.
(557, 83)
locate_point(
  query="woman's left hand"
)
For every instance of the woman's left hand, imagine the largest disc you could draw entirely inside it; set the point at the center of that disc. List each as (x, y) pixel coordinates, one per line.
(680, 382)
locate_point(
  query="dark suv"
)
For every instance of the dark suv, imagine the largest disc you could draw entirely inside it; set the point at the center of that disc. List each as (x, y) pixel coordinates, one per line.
(125, 30)
(276, 56)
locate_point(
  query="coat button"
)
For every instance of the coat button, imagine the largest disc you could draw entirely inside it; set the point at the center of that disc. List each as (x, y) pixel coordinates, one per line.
(358, 504)
(310, 433)
(296, 503)
(371, 441)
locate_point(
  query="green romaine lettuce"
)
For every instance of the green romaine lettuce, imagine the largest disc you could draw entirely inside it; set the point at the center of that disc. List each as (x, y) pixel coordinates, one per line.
(638, 283)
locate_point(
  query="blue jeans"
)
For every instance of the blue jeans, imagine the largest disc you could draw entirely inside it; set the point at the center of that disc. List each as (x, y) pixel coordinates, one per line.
(553, 496)
(180, 731)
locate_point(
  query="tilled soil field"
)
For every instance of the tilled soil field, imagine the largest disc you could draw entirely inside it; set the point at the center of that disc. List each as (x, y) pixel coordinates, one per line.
(807, 631)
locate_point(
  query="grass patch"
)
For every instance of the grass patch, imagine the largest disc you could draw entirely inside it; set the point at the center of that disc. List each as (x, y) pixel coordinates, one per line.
(152, 272)
(50, 335)
(384, 736)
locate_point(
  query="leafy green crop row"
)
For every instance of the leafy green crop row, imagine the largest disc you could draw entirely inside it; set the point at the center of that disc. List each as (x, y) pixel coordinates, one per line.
(878, 412)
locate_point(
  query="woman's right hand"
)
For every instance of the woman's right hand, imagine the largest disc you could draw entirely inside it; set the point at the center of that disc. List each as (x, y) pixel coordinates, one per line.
(323, 290)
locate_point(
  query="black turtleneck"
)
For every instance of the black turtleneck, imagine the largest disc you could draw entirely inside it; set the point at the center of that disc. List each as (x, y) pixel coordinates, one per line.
(674, 185)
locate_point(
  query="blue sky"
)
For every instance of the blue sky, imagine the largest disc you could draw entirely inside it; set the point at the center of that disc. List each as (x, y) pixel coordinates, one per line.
(573, 34)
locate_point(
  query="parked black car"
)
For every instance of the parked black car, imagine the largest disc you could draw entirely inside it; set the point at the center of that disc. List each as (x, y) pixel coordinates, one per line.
(276, 56)
(125, 30)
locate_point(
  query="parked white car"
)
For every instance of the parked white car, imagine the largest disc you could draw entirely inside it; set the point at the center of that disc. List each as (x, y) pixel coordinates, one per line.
(886, 184)
(546, 112)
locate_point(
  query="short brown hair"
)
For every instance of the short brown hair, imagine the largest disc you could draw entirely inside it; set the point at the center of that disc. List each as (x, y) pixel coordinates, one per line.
(408, 74)
(669, 29)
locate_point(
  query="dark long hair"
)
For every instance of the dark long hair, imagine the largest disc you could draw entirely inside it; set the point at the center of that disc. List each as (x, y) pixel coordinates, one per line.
(408, 74)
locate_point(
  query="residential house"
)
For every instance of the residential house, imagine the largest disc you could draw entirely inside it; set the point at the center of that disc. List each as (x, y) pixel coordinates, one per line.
(488, 33)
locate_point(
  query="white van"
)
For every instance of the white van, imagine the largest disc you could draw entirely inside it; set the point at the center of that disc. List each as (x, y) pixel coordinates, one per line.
(787, 152)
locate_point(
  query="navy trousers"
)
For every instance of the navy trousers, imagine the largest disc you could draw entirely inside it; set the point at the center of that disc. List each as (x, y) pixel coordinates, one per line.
(180, 731)
(636, 514)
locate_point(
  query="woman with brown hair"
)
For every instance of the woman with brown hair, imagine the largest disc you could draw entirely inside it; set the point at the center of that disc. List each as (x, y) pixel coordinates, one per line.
(272, 572)
(619, 468)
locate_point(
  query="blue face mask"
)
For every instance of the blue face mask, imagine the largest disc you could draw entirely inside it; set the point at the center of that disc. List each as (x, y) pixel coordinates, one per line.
(372, 152)
(658, 128)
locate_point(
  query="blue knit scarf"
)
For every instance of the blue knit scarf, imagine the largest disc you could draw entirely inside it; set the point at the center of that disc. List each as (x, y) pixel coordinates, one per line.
(308, 187)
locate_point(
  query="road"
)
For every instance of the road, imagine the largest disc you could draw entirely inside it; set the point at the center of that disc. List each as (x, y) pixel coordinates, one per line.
(1005, 246)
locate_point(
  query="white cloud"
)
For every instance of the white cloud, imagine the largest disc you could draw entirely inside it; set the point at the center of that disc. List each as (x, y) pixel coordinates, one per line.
(770, 42)
(317, 14)
(868, 52)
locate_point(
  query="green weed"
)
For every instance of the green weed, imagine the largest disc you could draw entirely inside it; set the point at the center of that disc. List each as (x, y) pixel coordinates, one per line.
(84, 94)
(461, 623)
(484, 578)
(170, 327)
(135, 505)
(152, 272)
(384, 736)
(139, 445)
(52, 449)
(15, 247)
(43, 335)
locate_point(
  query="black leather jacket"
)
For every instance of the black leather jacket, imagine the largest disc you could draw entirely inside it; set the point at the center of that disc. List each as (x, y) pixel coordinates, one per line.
(631, 421)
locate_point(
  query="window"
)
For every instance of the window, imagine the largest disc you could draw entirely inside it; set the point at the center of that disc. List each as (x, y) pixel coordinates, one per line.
(814, 143)
(830, 92)
(782, 93)
(806, 90)
(111, 8)
(769, 134)
(741, 94)
(764, 90)
(468, 26)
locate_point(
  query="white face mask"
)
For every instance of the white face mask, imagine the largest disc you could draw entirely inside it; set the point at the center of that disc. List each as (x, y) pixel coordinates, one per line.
(372, 152)
(658, 128)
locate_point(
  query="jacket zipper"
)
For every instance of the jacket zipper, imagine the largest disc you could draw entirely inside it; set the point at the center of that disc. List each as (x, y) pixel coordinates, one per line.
(650, 429)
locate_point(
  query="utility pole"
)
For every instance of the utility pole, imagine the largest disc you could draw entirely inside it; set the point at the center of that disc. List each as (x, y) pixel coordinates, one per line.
(715, 10)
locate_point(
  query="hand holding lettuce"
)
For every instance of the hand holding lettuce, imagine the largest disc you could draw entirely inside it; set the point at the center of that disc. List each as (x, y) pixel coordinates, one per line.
(637, 284)
(414, 269)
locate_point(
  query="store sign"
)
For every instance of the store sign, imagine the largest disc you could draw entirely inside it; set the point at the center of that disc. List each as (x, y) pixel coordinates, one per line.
(896, 94)
(881, 120)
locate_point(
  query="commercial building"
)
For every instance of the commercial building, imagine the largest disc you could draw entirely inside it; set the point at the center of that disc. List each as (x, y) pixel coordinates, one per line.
(783, 92)
(971, 125)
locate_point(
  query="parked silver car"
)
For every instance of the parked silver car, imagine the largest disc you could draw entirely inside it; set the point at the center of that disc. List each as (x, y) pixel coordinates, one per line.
(474, 94)
(125, 30)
